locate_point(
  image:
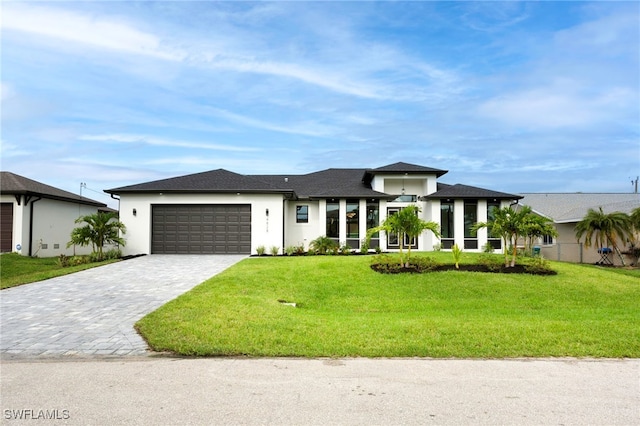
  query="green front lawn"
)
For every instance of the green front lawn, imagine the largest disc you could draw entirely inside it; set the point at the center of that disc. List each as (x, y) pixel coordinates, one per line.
(346, 309)
(16, 269)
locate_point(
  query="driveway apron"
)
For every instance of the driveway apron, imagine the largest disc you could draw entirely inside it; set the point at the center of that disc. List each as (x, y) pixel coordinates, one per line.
(92, 312)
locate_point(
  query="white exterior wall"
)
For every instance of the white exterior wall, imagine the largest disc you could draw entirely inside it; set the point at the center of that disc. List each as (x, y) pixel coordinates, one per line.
(265, 231)
(53, 222)
(297, 234)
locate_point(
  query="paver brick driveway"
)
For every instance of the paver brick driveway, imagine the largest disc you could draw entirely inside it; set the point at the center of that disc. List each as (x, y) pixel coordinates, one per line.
(92, 312)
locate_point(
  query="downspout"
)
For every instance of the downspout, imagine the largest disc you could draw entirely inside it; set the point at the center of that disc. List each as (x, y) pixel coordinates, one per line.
(31, 224)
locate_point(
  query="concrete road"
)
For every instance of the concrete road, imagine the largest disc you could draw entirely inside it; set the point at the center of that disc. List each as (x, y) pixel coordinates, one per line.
(223, 391)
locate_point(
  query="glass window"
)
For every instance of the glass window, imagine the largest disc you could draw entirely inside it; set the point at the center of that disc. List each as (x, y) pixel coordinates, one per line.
(302, 214)
(446, 219)
(373, 215)
(492, 206)
(353, 217)
(333, 219)
(470, 217)
(406, 198)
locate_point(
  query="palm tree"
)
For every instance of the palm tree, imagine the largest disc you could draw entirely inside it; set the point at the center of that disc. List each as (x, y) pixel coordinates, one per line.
(535, 226)
(405, 223)
(604, 229)
(509, 225)
(100, 229)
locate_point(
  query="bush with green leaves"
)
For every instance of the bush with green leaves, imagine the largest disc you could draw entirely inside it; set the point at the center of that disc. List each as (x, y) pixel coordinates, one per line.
(275, 250)
(364, 246)
(345, 249)
(323, 245)
(424, 264)
(538, 265)
(64, 261)
(261, 250)
(492, 262)
(487, 248)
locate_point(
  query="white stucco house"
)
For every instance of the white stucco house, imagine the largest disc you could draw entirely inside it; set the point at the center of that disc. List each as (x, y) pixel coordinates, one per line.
(37, 219)
(221, 212)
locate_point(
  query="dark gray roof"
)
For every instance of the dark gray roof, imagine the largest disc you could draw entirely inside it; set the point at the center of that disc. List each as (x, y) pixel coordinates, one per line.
(330, 183)
(469, 192)
(13, 184)
(219, 180)
(406, 168)
(573, 207)
(324, 184)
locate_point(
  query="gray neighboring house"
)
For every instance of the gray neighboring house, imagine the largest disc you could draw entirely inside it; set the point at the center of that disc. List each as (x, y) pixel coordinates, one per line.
(37, 219)
(566, 210)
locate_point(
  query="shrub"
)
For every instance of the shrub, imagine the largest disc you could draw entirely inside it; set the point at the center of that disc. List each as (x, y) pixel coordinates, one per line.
(424, 264)
(290, 250)
(387, 264)
(260, 250)
(491, 262)
(378, 249)
(323, 245)
(538, 265)
(274, 250)
(487, 248)
(364, 246)
(113, 254)
(64, 261)
(437, 247)
(345, 249)
(79, 260)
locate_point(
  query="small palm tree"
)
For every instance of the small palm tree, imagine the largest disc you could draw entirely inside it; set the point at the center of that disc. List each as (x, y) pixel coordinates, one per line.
(603, 229)
(100, 229)
(509, 225)
(405, 223)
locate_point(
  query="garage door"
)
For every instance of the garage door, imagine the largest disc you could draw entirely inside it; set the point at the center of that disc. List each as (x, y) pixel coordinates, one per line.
(201, 229)
(6, 227)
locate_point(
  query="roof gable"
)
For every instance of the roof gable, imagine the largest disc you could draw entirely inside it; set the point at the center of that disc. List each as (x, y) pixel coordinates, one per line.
(469, 192)
(11, 183)
(406, 168)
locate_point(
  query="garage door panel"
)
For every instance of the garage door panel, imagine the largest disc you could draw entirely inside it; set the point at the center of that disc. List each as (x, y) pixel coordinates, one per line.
(201, 229)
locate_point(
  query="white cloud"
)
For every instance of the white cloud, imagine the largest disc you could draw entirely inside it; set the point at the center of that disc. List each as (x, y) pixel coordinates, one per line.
(306, 128)
(152, 140)
(106, 33)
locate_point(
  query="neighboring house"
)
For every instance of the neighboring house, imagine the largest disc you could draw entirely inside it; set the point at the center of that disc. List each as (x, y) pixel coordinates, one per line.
(37, 219)
(566, 210)
(224, 212)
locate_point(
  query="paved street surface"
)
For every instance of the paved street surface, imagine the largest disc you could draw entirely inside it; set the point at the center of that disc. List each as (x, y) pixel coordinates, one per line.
(223, 391)
(93, 312)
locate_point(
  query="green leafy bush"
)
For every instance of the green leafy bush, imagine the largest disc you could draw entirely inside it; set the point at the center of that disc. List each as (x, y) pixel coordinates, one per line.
(424, 264)
(492, 262)
(261, 250)
(364, 246)
(345, 249)
(274, 250)
(64, 261)
(538, 265)
(323, 245)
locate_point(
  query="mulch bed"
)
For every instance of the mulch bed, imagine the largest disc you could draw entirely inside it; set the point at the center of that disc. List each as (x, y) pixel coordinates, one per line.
(517, 269)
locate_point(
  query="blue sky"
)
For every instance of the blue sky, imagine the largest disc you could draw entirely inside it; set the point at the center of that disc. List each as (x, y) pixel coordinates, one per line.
(513, 96)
